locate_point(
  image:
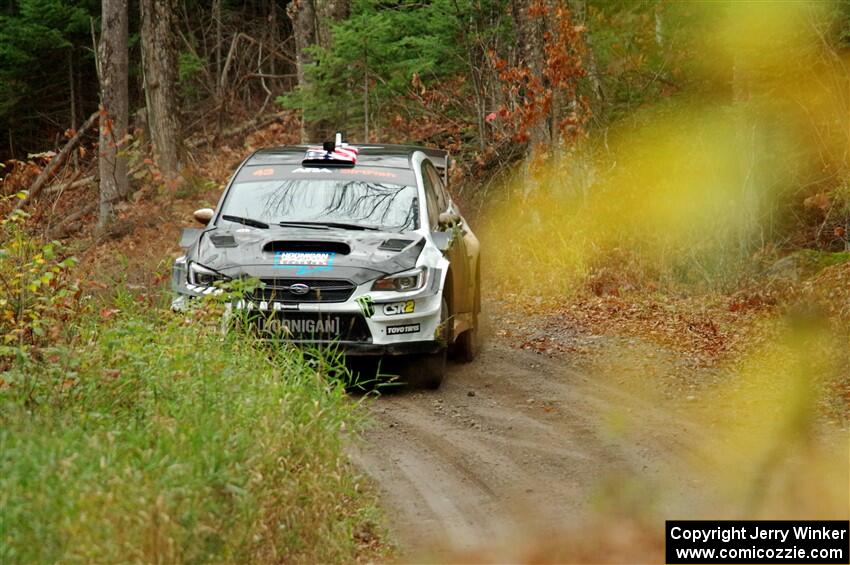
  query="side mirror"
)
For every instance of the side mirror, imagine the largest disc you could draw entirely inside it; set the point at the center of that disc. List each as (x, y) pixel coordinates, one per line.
(204, 215)
(448, 220)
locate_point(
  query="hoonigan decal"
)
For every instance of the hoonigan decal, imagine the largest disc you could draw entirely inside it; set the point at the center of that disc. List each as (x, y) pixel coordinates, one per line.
(304, 262)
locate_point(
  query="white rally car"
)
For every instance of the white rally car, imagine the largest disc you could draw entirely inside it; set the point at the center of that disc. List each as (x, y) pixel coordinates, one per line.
(361, 247)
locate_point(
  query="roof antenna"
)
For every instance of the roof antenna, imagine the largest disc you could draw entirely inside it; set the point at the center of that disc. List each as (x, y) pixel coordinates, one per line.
(331, 146)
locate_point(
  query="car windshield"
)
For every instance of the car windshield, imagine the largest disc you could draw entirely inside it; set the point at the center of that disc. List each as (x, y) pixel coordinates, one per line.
(388, 207)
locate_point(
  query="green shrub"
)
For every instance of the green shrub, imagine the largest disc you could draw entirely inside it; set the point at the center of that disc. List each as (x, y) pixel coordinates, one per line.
(37, 296)
(160, 439)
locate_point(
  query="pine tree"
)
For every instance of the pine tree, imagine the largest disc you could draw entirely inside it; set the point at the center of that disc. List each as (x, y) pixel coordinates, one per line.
(45, 55)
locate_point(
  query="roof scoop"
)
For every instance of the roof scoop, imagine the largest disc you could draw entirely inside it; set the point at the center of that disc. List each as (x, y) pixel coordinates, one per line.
(335, 153)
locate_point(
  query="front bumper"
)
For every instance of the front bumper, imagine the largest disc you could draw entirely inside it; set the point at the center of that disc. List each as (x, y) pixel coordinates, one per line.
(349, 324)
(388, 323)
(375, 350)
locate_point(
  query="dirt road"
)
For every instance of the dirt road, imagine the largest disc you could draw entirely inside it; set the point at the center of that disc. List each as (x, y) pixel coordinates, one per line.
(514, 444)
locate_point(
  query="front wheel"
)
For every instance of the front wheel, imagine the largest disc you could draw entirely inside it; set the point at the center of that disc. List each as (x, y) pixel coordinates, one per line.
(427, 371)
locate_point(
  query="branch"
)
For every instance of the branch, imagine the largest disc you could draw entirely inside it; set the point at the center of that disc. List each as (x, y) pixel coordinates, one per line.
(229, 59)
(60, 228)
(70, 185)
(256, 123)
(54, 163)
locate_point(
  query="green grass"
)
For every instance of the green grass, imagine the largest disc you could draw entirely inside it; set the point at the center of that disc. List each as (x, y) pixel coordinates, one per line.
(152, 438)
(814, 260)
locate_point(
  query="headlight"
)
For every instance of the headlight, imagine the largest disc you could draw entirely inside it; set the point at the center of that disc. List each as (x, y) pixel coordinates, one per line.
(203, 276)
(402, 282)
(179, 275)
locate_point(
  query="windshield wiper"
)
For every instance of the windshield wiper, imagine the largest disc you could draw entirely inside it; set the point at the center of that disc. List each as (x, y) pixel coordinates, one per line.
(246, 221)
(308, 225)
(338, 225)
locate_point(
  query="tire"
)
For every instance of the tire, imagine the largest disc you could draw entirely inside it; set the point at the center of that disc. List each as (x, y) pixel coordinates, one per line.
(427, 371)
(467, 344)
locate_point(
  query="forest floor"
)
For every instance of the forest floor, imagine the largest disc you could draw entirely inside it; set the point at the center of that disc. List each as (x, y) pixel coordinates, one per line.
(515, 449)
(559, 423)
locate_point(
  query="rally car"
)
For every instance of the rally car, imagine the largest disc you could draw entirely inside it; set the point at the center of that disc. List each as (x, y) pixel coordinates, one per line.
(359, 247)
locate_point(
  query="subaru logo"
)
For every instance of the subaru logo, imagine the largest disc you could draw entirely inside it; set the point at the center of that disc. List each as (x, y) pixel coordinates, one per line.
(299, 288)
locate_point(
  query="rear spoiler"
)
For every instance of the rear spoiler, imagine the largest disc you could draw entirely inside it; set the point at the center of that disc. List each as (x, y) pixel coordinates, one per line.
(441, 159)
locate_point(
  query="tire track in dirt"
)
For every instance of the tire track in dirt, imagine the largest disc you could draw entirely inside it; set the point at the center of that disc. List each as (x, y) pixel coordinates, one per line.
(513, 443)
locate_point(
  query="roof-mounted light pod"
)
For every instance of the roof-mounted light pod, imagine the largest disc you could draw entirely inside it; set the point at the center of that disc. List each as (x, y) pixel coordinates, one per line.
(335, 153)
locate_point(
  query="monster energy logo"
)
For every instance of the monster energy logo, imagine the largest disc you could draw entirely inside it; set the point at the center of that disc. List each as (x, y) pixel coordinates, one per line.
(366, 307)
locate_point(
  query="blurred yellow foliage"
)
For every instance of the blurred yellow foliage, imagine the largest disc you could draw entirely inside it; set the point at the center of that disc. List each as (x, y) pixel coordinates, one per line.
(686, 192)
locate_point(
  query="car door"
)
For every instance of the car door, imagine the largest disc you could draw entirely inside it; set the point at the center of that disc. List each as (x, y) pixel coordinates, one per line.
(438, 202)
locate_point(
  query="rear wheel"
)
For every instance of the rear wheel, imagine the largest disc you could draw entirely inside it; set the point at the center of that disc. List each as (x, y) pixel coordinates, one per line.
(427, 371)
(467, 344)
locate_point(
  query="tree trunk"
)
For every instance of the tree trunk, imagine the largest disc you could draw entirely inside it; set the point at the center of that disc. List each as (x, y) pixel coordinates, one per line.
(219, 83)
(113, 54)
(747, 150)
(73, 105)
(159, 57)
(311, 24)
(328, 12)
(580, 10)
(531, 28)
(365, 92)
(303, 16)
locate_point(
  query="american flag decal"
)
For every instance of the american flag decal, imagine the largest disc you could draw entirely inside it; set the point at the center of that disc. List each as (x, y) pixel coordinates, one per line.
(342, 154)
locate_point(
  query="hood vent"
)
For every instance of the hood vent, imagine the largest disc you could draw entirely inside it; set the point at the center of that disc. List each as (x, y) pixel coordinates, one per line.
(223, 240)
(395, 244)
(302, 246)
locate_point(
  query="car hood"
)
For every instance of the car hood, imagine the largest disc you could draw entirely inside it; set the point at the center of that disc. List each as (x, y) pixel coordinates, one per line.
(358, 256)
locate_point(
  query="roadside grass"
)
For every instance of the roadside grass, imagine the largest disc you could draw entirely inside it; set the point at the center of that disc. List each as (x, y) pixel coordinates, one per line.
(153, 437)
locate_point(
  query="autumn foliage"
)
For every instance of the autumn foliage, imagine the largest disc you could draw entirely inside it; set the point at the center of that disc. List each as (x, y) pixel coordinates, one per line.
(548, 95)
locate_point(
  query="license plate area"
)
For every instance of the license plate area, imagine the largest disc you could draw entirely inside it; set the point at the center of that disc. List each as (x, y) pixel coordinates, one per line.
(310, 327)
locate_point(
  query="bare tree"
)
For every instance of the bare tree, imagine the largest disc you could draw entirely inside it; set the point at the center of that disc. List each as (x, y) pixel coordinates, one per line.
(114, 106)
(159, 61)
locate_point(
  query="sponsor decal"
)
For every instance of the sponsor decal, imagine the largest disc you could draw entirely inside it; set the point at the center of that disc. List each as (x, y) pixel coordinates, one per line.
(311, 170)
(366, 306)
(263, 173)
(395, 308)
(368, 173)
(304, 262)
(405, 329)
(307, 326)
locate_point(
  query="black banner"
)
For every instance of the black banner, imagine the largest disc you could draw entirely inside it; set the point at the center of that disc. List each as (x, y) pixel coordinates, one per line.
(754, 541)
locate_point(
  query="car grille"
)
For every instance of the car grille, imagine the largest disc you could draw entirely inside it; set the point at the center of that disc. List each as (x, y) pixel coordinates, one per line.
(311, 326)
(321, 290)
